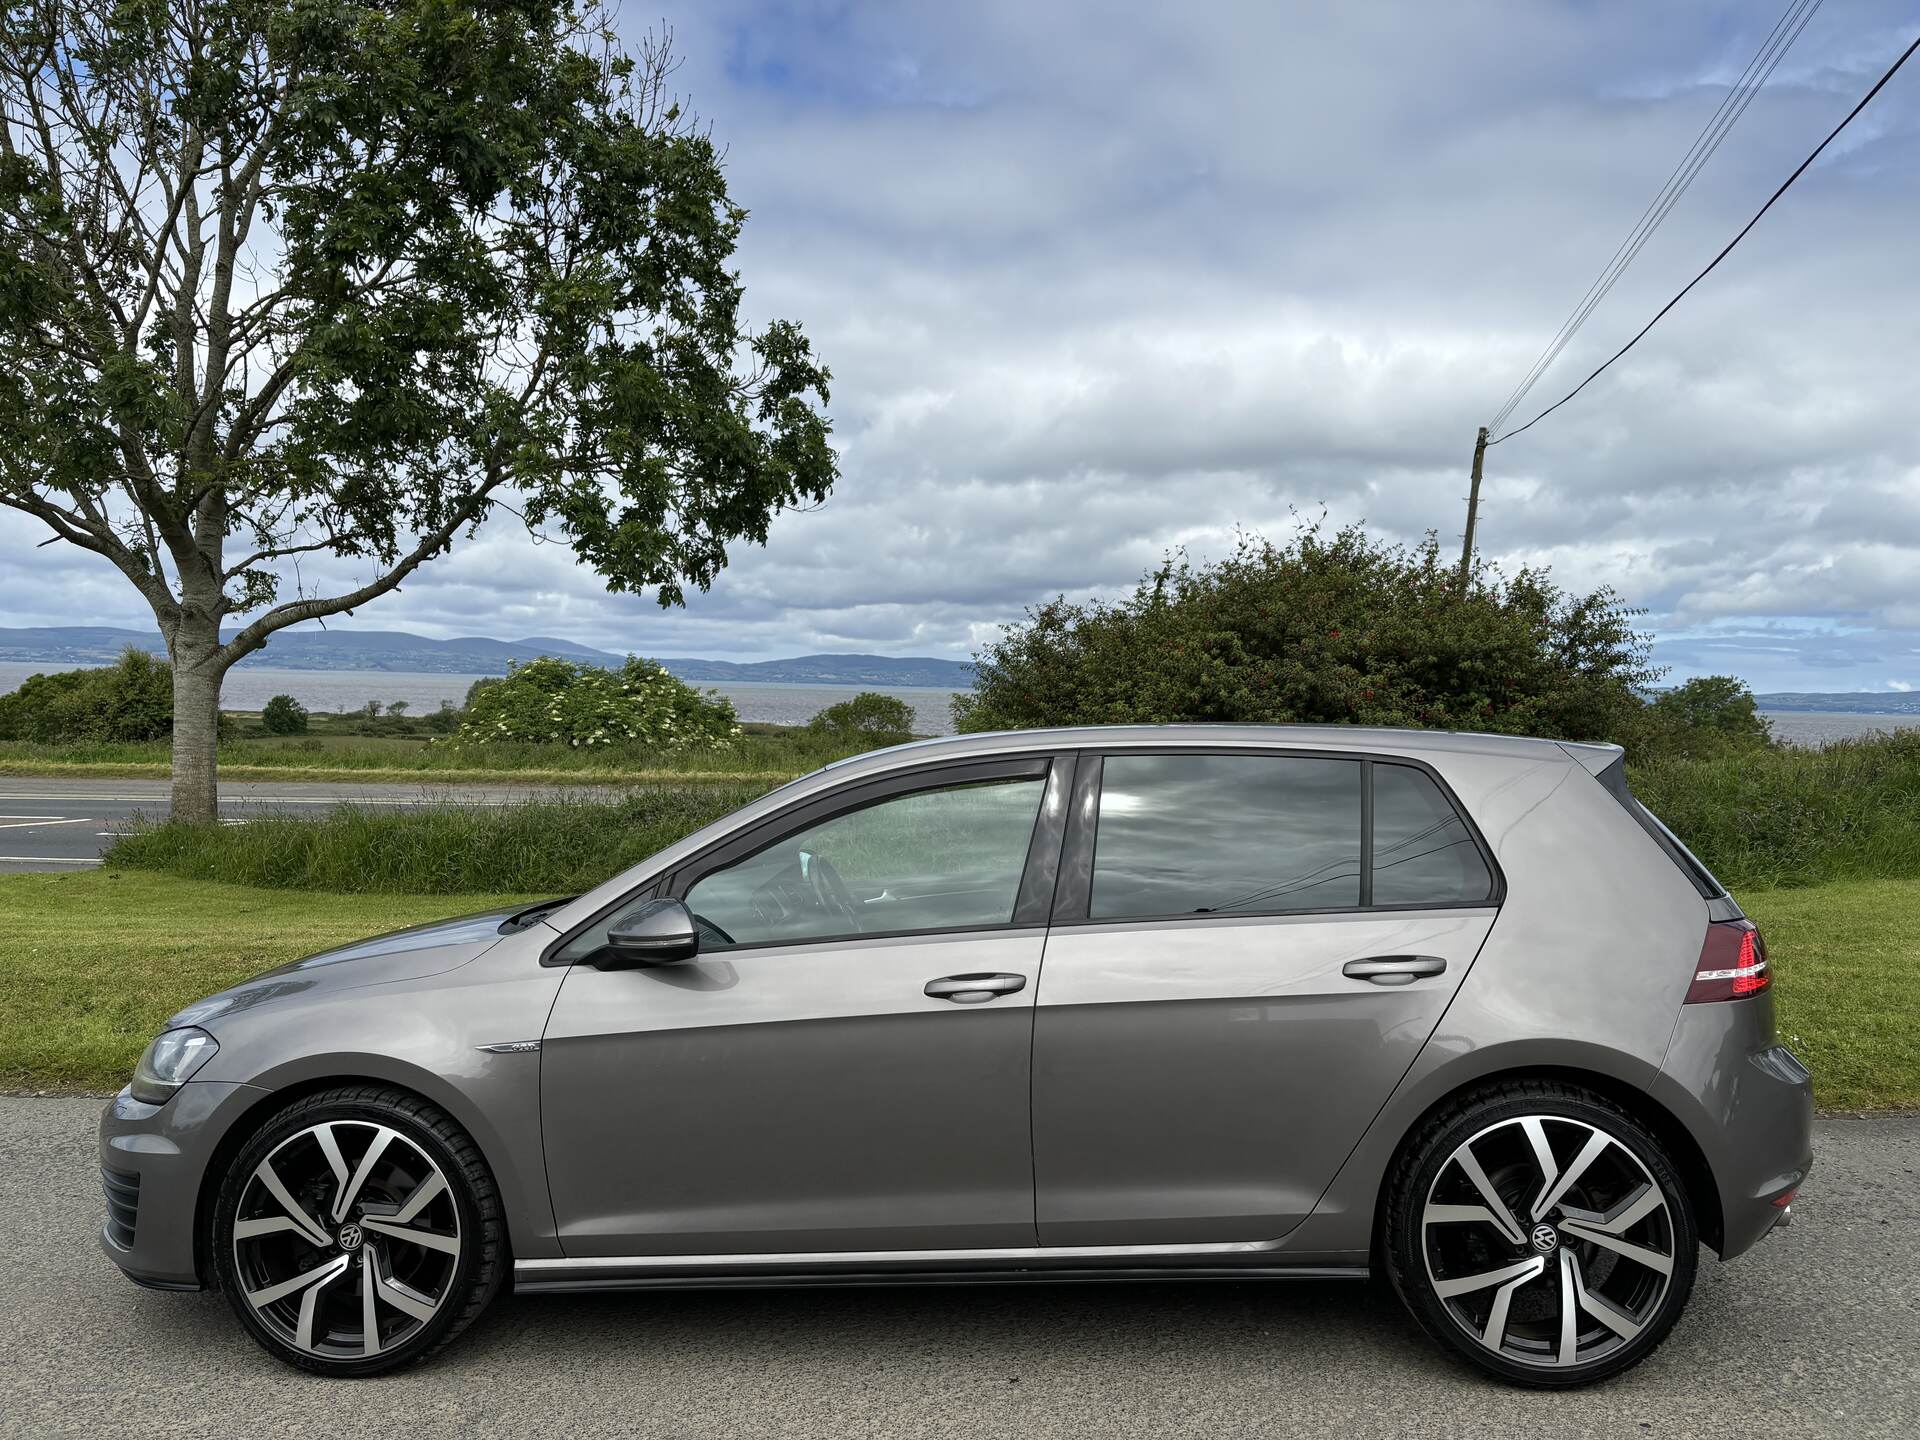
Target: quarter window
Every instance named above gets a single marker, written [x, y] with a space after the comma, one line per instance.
[930, 860]
[1218, 834]
[1422, 851]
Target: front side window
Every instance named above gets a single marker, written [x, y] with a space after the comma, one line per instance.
[1219, 834]
[929, 860]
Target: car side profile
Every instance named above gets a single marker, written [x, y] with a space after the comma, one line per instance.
[1140, 1002]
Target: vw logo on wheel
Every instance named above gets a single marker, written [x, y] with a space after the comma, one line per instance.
[350, 1237]
[1545, 1238]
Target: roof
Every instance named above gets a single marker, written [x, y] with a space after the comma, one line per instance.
[1306, 737]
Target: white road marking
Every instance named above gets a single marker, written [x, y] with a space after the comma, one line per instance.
[47, 820]
[43, 860]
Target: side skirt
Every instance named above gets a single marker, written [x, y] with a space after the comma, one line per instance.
[908, 1267]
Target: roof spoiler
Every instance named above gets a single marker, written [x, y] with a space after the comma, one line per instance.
[1593, 758]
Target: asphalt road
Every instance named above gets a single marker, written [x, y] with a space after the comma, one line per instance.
[1817, 1332]
[65, 824]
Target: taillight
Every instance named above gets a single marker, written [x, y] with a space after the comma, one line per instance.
[1733, 963]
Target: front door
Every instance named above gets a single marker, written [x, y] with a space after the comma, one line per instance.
[1249, 950]
[846, 1065]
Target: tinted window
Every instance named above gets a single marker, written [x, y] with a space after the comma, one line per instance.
[1422, 851]
[930, 860]
[1196, 834]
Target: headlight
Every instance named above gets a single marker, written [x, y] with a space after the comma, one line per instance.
[170, 1062]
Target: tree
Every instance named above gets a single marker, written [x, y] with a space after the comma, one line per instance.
[1707, 716]
[1336, 628]
[284, 715]
[397, 707]
[869, 717]
[333, 278]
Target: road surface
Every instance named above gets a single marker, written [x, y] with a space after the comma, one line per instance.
[65, 824]
[1814, 1333]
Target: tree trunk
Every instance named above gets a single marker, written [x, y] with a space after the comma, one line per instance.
[196, 722]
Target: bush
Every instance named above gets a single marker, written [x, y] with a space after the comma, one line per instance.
[869, 717]
[284, 715]
[1709, 716]
[553, 847]
[1326, 629]
[130, 700]
[551, 701]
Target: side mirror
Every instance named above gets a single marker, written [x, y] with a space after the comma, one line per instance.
[660, 932]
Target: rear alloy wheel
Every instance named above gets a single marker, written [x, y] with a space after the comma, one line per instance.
[358, 1231]
[1543, 1234]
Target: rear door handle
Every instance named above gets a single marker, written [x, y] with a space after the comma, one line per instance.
[973, 989]
[1394, 969]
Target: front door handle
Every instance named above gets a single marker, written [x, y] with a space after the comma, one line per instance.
[1394, 969]
[972, 989]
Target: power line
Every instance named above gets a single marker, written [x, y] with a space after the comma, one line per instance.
[1785, 185]
[1732, 106]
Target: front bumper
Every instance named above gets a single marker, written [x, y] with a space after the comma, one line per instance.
[1748, 1102]
[152, 1160]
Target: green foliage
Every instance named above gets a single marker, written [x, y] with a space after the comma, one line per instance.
[1709, 716]
[552, 847]
[284, 715]
[558, 702]
[1324, 628]
[869, 718]
[1786, 817]
[130, 700]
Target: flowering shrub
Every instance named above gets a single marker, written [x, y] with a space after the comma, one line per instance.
[550, 701]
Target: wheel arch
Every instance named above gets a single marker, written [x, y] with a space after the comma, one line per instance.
[247, 1123]
[1703, 1193]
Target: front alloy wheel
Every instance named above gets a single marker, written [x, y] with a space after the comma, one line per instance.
[356, 1234]
[1547, 1238]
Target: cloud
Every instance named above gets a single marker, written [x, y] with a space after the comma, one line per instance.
[1097, 281]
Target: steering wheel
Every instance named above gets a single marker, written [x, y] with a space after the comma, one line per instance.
[831, 891]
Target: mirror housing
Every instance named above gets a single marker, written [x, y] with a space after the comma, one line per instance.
[660, 932]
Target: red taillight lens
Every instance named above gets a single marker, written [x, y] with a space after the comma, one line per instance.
[1733, 963]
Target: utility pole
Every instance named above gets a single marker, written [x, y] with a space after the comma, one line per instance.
[1473, 508]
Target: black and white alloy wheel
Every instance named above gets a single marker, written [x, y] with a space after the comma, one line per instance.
[1551, 1242]
[357, 1231]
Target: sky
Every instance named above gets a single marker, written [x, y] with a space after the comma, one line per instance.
[1097, 281]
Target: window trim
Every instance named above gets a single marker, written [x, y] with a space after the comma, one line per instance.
[1033, 896]
[1072, 903]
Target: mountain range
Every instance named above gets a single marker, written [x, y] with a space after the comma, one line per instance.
[397, 650]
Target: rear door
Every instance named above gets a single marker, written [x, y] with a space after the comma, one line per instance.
[1248, 950]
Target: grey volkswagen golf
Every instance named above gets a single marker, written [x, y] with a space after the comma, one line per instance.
[1165, 1002]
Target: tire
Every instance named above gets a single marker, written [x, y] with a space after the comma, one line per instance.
[1616, 1242]
[421, 1229]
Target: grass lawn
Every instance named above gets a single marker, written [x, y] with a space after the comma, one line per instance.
[94, 962]
[1847, 986]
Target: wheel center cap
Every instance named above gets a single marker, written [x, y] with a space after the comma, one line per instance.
[1545, 1238]
[350, 1237]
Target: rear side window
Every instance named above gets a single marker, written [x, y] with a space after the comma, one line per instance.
[1215, 834]
[1423, 853]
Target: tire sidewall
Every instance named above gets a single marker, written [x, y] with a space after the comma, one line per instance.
[1406, 1255]
[302, 1115]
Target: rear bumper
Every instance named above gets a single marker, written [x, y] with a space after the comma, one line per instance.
[1748, 1103]
[152, 1158]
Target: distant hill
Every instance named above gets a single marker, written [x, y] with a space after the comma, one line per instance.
[1851, 702]
[70, 646]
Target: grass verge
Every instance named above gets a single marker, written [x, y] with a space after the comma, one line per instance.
[554, 847]
[95, 962]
